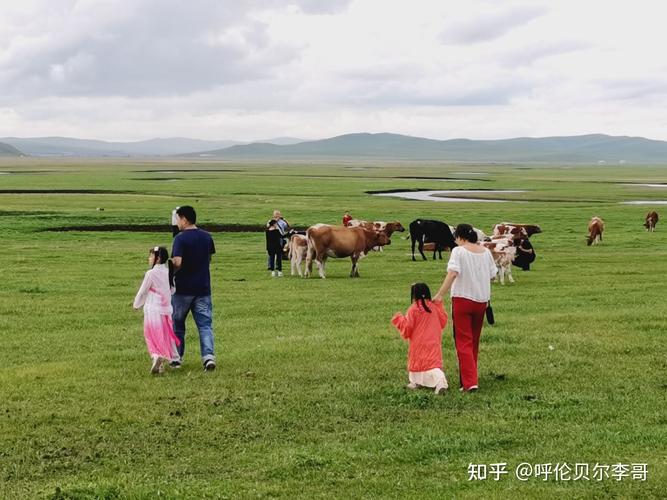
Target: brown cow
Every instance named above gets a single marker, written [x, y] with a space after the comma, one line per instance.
[388, 228]
[338, 241]
[516, 230]
[651, 221]
[595, 229]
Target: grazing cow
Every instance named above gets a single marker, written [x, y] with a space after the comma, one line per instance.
[297, 250]
[595, 229]
[503, 252]
[517, 231]
[339, 241]
[431, 231]
[651, 221]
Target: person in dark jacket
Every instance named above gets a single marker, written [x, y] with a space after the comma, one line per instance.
[274, 248]
[525, 254]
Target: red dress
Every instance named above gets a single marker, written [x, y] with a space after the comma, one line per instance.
[424, 332]
[346, 220]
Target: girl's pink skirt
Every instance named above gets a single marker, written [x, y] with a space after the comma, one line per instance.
[159, 335]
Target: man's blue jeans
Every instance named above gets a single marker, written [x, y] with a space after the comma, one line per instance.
[202, 312]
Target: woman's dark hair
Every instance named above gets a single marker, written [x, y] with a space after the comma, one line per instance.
[466, 232]
[420, 292]
[162, 257]
[188, 212]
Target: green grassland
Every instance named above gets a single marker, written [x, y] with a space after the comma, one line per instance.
[308, 400]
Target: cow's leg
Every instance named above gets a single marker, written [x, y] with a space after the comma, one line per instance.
[310, 253]
[321, 261]
[501, 274]
[509, 273]
[421, 248]
[413, 248]
[301, 264]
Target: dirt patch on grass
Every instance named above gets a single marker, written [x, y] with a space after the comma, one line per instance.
[18, 213]
[185, 171]
[64, 191]
[423, 178]
[160, 228]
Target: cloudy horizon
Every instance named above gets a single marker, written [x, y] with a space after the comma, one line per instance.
[221, 70]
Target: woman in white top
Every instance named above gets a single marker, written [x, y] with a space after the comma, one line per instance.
[469, 273]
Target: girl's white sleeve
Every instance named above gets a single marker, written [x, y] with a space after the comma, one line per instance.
[140, 299]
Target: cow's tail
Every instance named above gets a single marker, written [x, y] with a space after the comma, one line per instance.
[405, 237]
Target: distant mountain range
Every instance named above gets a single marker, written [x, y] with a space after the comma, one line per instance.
[66, 146]
[363, 146]
[583, 148]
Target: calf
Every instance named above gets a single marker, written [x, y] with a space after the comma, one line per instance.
[297, 250]
[503, 252]
[651, 221]
[595, 229]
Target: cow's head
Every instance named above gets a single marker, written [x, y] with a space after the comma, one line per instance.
[395, 226]
[383, 239]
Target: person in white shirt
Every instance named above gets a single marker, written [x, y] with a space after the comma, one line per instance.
[469, 273]
[174, 222]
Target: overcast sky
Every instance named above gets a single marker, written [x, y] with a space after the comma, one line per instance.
[253, 69]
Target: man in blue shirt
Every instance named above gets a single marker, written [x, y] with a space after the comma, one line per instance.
[191, 254]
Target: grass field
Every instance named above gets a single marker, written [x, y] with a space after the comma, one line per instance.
[308, 400]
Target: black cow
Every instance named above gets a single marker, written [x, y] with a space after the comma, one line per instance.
[431, 231]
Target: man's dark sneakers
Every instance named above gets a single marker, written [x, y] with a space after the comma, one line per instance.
[209, 365]
[175, 364]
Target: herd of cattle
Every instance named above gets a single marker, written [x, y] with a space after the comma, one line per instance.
[356, 240]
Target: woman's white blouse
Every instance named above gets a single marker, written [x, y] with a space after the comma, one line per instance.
[475, 273]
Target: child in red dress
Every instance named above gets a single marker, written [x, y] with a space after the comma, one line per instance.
[422, 326]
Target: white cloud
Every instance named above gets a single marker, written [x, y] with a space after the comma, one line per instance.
[218, 69]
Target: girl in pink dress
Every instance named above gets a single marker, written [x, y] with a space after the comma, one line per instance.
[422, 326]
[155, 297]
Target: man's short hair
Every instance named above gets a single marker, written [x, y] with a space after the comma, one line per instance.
[188, 212]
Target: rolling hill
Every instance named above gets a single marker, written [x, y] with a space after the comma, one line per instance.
[584, 148]
[66, 146]
[9, 150]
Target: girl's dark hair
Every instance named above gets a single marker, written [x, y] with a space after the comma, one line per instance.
[162, 257]
[466, 232]
[420, 292]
